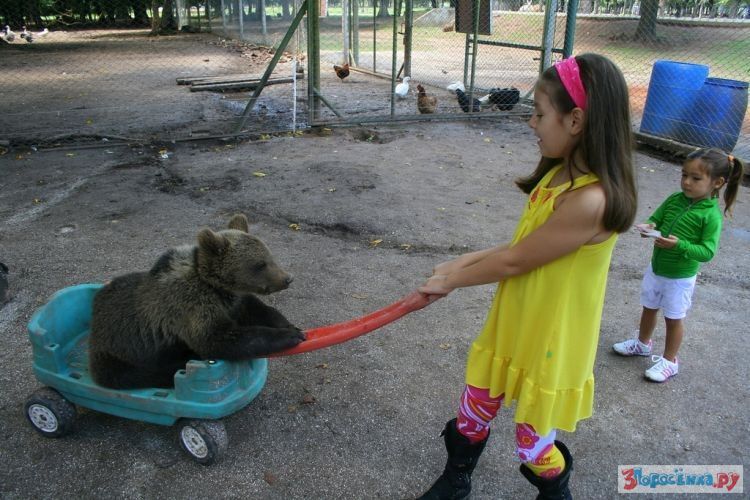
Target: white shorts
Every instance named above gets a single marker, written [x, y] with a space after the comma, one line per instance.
[672, 295]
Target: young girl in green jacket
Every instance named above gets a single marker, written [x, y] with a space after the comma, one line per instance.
[686, 229]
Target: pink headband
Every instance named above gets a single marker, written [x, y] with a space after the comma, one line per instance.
[570, 76]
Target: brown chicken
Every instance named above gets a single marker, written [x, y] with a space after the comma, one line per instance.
[341, 71]
[425, 103]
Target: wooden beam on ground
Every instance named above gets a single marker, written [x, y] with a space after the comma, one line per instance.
[240, 85]
[189, 80]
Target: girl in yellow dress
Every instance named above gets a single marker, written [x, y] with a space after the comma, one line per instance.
[538, 344]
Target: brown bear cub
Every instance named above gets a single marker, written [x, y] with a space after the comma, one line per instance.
[196, 302]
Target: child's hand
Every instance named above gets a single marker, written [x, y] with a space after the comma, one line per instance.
[669, 242]
[431, 297]
[647, 230]
[435, 286]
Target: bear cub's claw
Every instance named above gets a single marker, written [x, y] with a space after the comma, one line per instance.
[292, 337]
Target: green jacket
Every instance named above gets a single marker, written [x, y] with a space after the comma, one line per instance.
[696, 224]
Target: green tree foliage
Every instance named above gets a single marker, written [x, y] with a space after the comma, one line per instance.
[38, 13]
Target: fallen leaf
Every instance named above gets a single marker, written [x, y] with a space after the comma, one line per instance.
[264, 137]
[322, 365]
[445, 346]
[375, 243]
[259, 174]
[37, 201]
[294, 227]
[89, 121]
[331, 190]
[487, 139]
[267, 476]
[291, 408]
[308, 399]
[405, 246]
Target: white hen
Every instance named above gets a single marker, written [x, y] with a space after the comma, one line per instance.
[456, 86]
[402, 89]
[9, 35]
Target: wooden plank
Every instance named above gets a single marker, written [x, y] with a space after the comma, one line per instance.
[249, 84]
[189, 80]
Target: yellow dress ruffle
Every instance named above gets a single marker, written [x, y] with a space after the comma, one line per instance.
[538, 344]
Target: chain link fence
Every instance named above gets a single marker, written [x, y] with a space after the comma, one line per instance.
[180, 68]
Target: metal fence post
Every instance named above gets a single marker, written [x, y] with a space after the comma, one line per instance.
[408, 31]
[224, 17]
[548, 38]
[570, 28]
[241, 15]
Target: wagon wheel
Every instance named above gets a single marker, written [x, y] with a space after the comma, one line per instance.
[49, 413]
[204, 440]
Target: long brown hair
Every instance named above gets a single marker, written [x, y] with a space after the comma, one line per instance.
[606, 144]
[716, 163]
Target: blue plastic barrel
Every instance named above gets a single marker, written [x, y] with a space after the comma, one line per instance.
[717, 117]
[672, 93]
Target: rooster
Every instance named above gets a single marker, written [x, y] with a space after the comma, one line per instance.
[463, 98]
[425, 103]
[341, 71]
[504, 99]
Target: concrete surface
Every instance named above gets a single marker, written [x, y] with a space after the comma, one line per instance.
[358, 420]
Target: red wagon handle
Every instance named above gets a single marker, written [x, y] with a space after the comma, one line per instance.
[326, 336]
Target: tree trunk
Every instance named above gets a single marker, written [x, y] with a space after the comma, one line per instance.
[586, 7]
[140, 16]
[166, 22]
[646, 30]
[383, 9]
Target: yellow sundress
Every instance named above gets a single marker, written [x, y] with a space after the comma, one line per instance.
[538, 344]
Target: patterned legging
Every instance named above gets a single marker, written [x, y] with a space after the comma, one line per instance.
[476, 411]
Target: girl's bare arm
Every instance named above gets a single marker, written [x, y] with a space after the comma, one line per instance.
[465, 260]
[576, 221]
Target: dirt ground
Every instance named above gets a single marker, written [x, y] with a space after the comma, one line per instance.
[361, 419]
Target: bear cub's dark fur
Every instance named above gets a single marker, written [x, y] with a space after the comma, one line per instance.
[197, 302]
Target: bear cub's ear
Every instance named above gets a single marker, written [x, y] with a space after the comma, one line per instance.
[239, 222]
[211, 242]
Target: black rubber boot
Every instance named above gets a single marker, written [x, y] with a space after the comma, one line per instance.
[455, 481]
[552, 489]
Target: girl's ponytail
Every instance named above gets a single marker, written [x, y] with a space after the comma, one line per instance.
[719, 164]
[736, 170]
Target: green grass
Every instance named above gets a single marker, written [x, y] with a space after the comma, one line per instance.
[726, 54]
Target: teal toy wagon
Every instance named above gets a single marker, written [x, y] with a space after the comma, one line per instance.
[204, 391]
